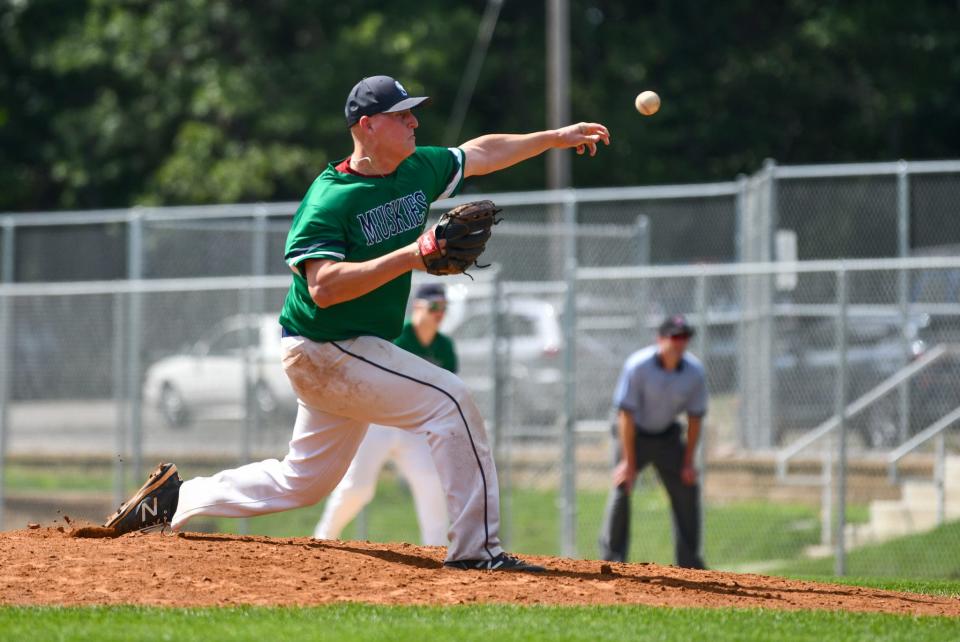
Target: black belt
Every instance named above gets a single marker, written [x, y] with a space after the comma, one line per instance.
[284, 332]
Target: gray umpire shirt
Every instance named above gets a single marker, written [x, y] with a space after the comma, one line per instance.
[654, 395]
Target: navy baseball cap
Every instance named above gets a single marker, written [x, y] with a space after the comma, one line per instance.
[675, 326]
[431, 292]
[378, 95]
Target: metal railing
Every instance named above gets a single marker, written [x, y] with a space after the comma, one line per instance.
[854, 408]
[934, 431]
[836, 424]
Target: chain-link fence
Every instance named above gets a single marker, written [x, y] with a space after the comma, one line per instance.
[623, 226]
[162, 343]
[856, 382]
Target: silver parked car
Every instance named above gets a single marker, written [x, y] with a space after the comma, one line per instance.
[207, 379]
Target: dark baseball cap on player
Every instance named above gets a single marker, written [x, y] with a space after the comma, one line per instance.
[378, 95]
[675, 326]
[431, 292]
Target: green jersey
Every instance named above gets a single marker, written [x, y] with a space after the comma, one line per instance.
[348, 217]
[440, 352]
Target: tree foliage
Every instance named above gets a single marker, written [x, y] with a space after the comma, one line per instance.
[109, 103]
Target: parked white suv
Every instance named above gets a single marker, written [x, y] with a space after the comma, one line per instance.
[207, 380]
[535, 365]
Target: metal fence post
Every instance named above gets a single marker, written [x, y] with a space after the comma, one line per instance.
[568, 537]
[258, 267]
[496, 364]
[939, 474]
[757, 215]
[840, 559]
[700, 456]
[120, 398]
[509, 398]
[6, 360]
[251, 414]
[134, 336]
[501, 451]
[826, 493]
[767, 352]
[903, 288]
[740, 214]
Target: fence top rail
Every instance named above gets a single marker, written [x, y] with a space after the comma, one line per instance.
[124, 215]
[600, 194]
[866, 169]
[543, 197]
[607, 273]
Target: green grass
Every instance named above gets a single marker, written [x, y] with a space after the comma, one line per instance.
[931, 555]
[484, 623]
[736, 533]
[944, 588]
[68, 477]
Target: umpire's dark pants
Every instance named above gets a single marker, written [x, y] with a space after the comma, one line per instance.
[665, 451]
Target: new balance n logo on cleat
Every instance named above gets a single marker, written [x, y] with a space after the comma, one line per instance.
[152, 507]
[501, 562]
[145, 508]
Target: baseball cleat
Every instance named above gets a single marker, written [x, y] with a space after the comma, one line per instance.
[501, 562]
[152, 506]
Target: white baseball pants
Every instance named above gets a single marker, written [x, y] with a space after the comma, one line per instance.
[342, 387]
[411, 455]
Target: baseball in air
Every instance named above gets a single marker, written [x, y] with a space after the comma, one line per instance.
[647, 103]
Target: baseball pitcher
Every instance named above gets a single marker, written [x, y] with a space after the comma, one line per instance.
[356, 237]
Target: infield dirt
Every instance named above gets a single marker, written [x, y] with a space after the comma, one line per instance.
[77, 565]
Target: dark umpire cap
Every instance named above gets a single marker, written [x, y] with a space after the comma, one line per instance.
[378, 95]
[675, 326]
[431, 292]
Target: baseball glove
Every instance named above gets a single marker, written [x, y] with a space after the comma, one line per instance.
[466, 229]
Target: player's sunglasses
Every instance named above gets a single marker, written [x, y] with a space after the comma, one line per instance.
[437, 306]
[680, 338]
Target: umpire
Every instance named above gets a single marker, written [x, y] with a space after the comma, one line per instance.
[657, 384]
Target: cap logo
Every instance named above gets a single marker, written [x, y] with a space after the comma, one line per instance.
[400, 88]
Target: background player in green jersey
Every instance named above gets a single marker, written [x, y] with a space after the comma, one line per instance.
[352, 247]
[408, 451]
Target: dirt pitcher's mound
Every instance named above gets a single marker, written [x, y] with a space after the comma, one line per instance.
[53, 566]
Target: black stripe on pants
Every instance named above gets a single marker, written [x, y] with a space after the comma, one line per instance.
[483, 477]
